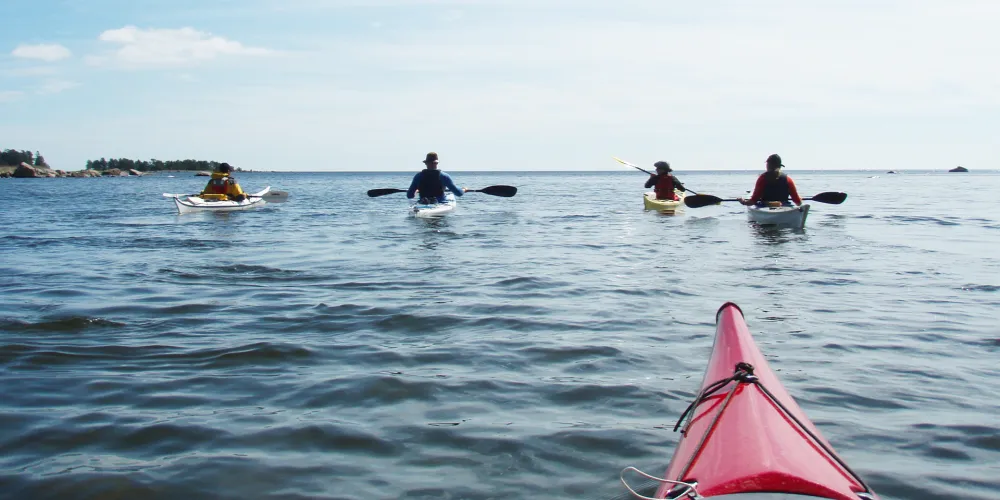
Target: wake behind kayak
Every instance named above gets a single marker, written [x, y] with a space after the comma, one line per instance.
[745, 438]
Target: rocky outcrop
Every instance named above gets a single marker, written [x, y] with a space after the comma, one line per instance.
[113, 172]
[25, 171]
[133, 171]
[203, 174]
[85, 173]
[959, 169]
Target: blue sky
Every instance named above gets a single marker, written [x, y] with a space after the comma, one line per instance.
[504, 84]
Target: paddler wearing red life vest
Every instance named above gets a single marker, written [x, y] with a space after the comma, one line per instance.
[773, 185]
[665, 182]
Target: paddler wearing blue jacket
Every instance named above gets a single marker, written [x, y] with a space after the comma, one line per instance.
[431, 182]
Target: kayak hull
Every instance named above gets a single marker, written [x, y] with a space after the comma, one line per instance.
[421, 210]
[789, 216]
[192, 204]
[650, 202]
[753, 437]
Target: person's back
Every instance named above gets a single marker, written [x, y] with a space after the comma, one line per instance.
[775, 188]
[217, 184]
[430, 186]
[432, 182]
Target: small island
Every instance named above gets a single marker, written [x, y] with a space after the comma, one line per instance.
[27, 164]
[959, 169]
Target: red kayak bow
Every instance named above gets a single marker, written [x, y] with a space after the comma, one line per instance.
[745, 434]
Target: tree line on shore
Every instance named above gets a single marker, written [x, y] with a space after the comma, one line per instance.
[152, 165]
[13, 158]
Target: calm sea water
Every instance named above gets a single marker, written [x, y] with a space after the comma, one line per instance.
[531, 347]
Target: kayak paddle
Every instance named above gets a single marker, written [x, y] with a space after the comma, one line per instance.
[703, 200]
[504, 191]
[382, 192]
[623, 162]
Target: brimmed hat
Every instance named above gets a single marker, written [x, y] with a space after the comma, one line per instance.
[774, 160]
[662, 165]
[431, 157]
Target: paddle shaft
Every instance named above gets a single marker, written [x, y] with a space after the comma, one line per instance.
[623, 162]
[502, 191]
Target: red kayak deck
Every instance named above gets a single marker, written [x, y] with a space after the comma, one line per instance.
[740, 440]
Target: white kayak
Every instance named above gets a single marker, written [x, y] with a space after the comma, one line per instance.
[434, 209]
[198, 204]
[785, 215]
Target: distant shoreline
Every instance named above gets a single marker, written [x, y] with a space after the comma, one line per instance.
[10, 169]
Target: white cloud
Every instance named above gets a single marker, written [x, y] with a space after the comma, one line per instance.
[56, 86]
[45, 52]
[152, 48]
[34, 71]
[10, 95]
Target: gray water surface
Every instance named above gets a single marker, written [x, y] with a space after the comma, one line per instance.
[530, 347]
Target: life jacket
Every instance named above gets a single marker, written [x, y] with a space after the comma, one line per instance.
[430, 184]
[217, 185]
[776, 189]
[233, 189]
[665, 187]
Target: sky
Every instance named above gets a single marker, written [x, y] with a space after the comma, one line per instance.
[373, 85]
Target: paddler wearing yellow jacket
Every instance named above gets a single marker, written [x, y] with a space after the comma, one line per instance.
[223, 185]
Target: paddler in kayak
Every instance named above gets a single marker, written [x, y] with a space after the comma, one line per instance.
[223, 185]
[773, 186]
[665, 182]
[431, 183]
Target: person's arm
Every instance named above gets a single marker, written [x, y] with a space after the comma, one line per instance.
[450, 184]
[677, 184]
[234, 188]
[758, 191]
[413, 186]
[794, 192]
[651, 182]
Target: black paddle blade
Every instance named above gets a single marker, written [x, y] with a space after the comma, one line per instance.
[382, 192]
[830, 197]
[702, 200]
[504, 191]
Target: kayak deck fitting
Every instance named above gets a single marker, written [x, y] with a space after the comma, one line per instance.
[745, 438]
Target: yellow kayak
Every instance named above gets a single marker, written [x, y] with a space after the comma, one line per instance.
[651, 203]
